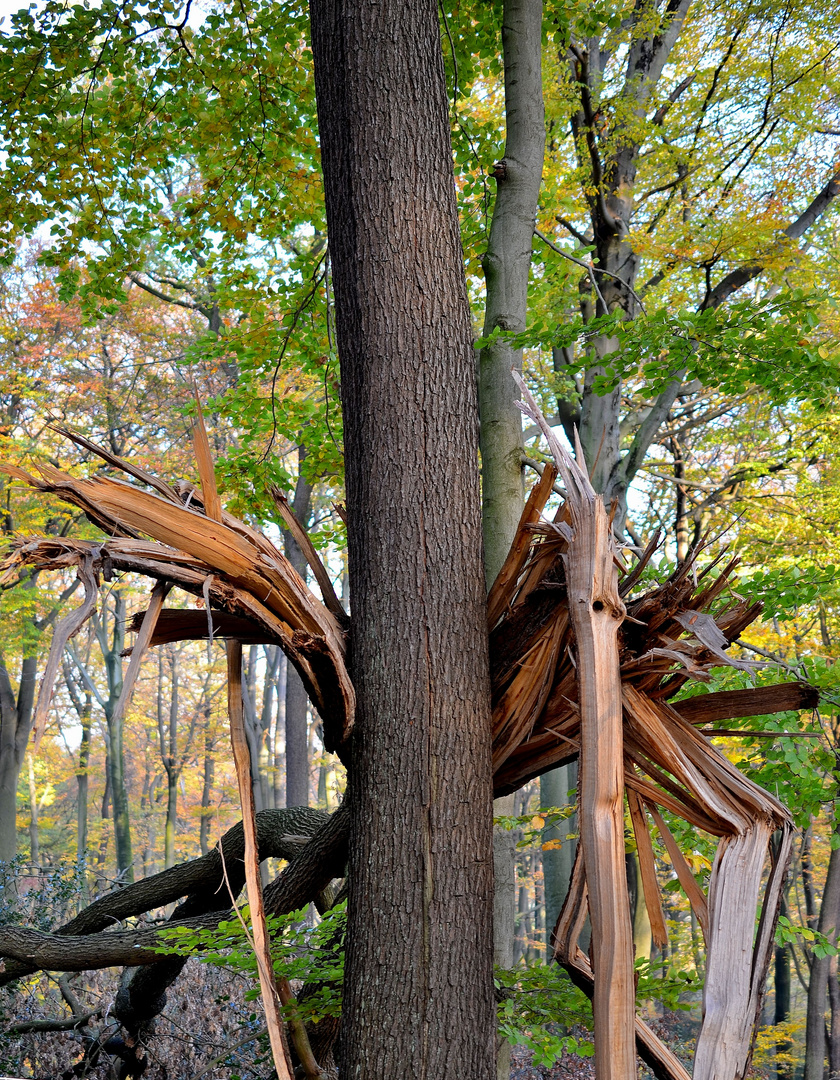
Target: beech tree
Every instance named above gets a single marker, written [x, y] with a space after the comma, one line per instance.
[404, 339]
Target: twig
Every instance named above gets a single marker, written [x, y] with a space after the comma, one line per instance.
[593, 269]
[211, 1065]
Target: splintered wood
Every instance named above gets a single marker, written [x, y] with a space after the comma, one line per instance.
[582, 665]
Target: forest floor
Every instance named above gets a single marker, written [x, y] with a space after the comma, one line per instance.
[678, 1030]
[210, 1030]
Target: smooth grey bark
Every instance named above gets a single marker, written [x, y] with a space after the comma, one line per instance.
[834, 1024]
[207, 811]
[253, 733]
[611, 206]
[267, 719]
[828, 923]
[34, 844]
[609, 165]
[418, 987]
[112, 644]
[82, 700]
[297, 702]
[504, 909]
[507, 268]
[278, 745]
[15, 725]
[175, 751]
[555, 788]
[504, 896]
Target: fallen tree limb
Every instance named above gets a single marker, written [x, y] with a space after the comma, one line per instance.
[201, 880]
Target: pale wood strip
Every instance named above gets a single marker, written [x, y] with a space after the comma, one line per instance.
[688, 881]
[206, 469]
[261, 943]
[647, 866]
[596, 611]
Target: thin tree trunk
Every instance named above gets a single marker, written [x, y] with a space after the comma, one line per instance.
[279, 728]
[112, 646]
[169, 749]
[266, 764]
[808, 876]
[782, 987]
[15, 724]
[834, 1026]
[507, 266]
[681, 537]
[421, 794]
[207, 788]
[34, 846]
[782, 995]
[297, 702]
[555, 788]
[83, 782]
[829, 920]
[323, 797]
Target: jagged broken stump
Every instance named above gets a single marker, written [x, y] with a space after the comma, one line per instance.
[582, 666]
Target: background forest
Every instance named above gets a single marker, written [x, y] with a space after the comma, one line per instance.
[164, 241]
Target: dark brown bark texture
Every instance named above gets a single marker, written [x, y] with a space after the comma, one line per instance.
[419, 995]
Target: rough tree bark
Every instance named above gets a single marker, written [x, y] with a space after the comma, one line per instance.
[420, 794]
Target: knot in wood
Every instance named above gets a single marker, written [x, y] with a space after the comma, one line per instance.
[499, 170]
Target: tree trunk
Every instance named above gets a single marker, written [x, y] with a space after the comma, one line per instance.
[34, 846]
[782, 995]
[829, 920]
[297, 702]
[15, 725]
[209, 776]
[555, 787]
[111, 649]
[420, 796]
[169, 753]
[82, 782]
[278, 744]
[507, 267]
[266, 763]
[834, 1026]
